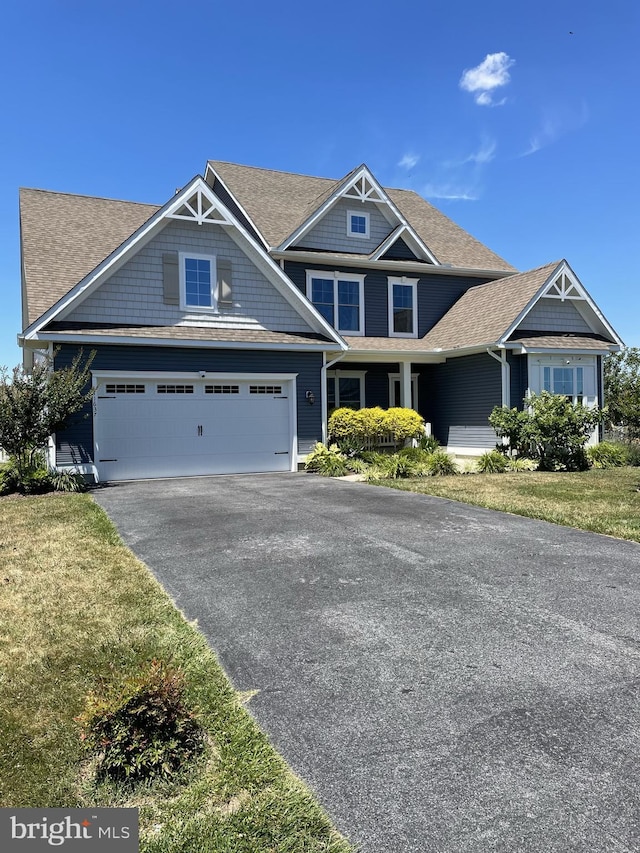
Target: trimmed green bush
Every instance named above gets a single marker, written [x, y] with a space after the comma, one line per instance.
[327, 461]
[606, 455]
[492, 462]
[368, 426]
[142, 729]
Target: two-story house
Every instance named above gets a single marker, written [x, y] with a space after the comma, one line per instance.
[227, 323]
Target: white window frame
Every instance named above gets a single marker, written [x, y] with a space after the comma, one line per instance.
[406, 282]
[363, 214]
[340, 276]
[589, 377]
[207, 309]
[397, 377]
[347, 374]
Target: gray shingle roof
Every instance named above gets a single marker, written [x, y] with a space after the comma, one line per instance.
[532, 340]
[192, 333]
[66, 236]
[279, 202]
[483, 314]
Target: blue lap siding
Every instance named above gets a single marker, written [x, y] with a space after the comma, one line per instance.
[463, 392]
[436, 293]
[74, 445]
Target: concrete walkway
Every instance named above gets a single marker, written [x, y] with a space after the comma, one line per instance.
[447, 679]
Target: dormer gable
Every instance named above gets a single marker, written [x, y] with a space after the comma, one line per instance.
[355, 215]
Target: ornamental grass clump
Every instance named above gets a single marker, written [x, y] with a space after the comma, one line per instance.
[141, 729]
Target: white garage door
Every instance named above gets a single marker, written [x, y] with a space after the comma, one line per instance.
[176, 427]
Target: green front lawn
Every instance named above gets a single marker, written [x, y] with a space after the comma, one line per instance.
[604, 501]
[76, 607]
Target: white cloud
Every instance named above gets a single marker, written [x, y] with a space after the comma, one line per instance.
[449, 191]
[552, 127]
[484, 154]
[409, 161]
[492, 73]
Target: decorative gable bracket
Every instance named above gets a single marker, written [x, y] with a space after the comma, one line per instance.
[201, 208]
[563, 287]
[363, 189]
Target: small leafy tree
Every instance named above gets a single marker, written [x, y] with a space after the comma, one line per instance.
[551, 429]
[622, 390]
[35, 405]
[558, 431]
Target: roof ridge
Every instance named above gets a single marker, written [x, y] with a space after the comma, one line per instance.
[275, 171]
[85, 195]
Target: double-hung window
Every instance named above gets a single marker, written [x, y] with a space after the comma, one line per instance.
[403, 307]
[197, 282]
[339, 297]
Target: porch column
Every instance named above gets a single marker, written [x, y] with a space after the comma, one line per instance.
[405, 384]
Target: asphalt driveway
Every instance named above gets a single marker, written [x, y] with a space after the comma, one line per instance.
[447, 679]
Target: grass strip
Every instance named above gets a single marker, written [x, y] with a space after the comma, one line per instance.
[77, 607]
[603, 501]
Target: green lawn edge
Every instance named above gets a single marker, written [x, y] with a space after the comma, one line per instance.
[76, 606]
[605, 501]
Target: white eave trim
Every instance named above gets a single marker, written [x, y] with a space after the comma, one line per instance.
[563, 267]
[401, 232]
[521, 349]
[237, 231]
[337, 260]
[130, 340]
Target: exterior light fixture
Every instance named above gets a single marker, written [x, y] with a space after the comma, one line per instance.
[310, 397]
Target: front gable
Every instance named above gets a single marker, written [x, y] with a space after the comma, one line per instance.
[562, 305]
[248, 289]
[138, 293]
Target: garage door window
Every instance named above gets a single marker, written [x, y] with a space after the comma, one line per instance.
[122, 388]
[265, 389]
[221, 389]
[175, 389]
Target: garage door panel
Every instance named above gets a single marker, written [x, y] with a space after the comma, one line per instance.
[152, 434]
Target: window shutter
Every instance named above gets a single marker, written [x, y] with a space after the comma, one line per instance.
[225, 297]
[170, 278]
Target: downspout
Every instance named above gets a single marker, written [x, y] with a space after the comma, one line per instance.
[323, 379]
[505, 368]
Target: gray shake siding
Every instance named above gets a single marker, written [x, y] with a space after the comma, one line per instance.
[134, 294]
[463, 393]
[330, 233]
[436, 294]
[75, 444]
[553, 315]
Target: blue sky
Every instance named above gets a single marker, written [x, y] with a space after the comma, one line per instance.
[520, 121]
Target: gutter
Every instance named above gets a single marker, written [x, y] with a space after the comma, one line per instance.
[505, 371]
[332, 261]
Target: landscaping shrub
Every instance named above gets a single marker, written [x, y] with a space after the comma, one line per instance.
[429, 443]
[367, 426]
[632, 451]
[327, 461]
[551, 429]
[440, 464]
[607, 455]
[492, 462]
[521, 463]
[142, 729]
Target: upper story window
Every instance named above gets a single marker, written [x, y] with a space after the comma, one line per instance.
[198, 281]
[357, 224]
[339, 297]
[403, 307]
